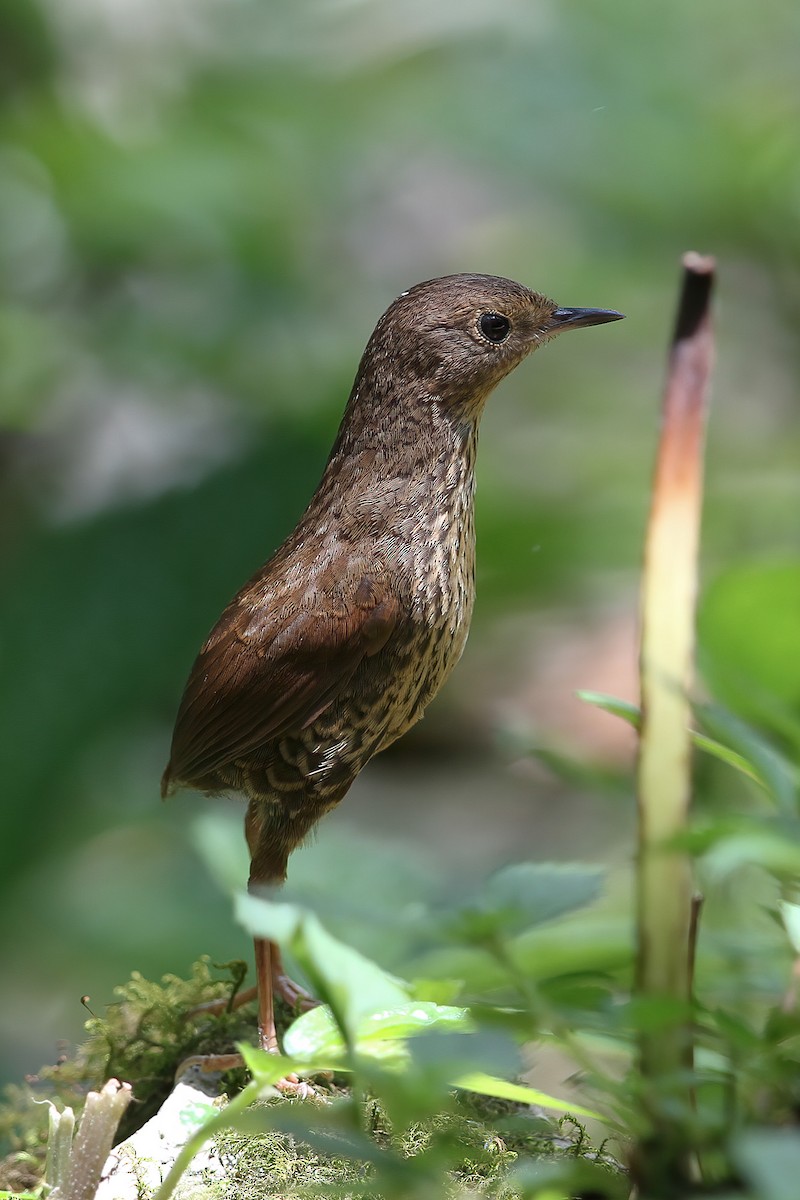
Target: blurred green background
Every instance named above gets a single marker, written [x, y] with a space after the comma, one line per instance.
[204, 207]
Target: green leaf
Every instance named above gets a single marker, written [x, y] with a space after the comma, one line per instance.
[741, 1035]
[771, 769]
[633, 715]
[582, 944]
[770, 1160]
[315, 1043]
[446, 1054]
[439, 991]
[790, 915]
[568, 1175]
[315, 1035]
[524, 895]
[750, 637]
[488, 1085]
[267, 1068]
[760, 847]
[610, 704]
[348, 982]
[321, 1038]
[532, 893]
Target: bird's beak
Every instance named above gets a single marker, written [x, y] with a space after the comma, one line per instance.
[576, 318]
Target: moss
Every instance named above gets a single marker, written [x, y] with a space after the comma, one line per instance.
[142, 1038]
[146, 1033]
[274, 1164]
[469, 1150]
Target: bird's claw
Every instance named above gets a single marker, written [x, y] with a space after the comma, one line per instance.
[205, 1070]
[292, 993]
[298, 1089]
[223, 1004]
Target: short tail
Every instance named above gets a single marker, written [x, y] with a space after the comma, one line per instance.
[167, 784]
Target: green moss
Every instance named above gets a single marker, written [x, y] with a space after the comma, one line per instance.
[470, 1149]
[142, 1038]
[147, 1032]
[274, 1164]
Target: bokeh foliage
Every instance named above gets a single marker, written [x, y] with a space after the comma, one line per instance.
[203, 208]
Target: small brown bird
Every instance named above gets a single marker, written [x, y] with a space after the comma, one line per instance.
[338, 644]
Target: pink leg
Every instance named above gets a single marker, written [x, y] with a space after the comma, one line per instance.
[292, 993]
[267, 1034]
[267, 865]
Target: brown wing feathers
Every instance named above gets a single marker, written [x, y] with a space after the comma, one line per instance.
[262, 675]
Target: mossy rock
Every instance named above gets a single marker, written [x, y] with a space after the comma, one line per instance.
[472, 1147]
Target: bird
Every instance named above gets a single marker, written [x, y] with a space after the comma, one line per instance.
[336, 646]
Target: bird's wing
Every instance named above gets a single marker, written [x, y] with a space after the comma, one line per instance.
[269, 670]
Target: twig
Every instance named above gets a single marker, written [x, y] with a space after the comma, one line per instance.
[694, 929]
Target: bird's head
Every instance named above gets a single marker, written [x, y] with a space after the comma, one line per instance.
[458, 336]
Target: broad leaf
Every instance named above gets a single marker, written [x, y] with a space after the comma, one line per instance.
[315, 1035]
[522, 896]
[584, 944]
[759, 846]
[346, 980]
[750, 637]
[770, 1160]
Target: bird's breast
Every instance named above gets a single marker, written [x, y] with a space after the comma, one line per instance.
[415, 533]
[437, 565]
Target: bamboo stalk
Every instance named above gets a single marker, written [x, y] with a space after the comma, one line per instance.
[664, 880]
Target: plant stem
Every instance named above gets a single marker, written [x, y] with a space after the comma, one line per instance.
[99, 1120]
[664, 882]
[59, 1147]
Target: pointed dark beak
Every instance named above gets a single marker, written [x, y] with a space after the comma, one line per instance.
[576, 318]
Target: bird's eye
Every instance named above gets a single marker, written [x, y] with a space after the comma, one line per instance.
[494, 326]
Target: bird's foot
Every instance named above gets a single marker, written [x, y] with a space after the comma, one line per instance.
[204, 1070]
[300, 1089]
[215, 1008]
[297, 998]
[202, 1065]
[290, 992]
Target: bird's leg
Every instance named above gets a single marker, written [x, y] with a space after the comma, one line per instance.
[297, 998]
[268, 961]
[268, 859]
[270, 840]
[267, 1034]
[267, 867]
[268, 966]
